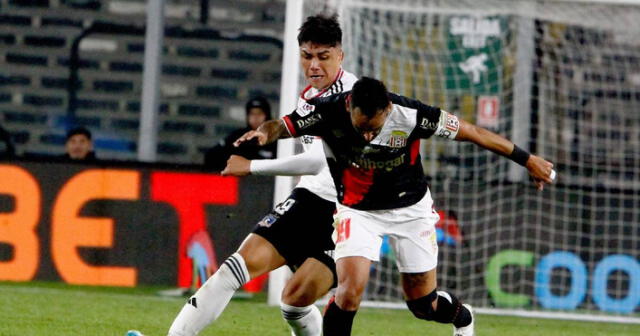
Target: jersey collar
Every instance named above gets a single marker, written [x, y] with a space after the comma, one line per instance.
[320, 93]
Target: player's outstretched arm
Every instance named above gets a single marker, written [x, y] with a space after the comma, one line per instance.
[539, 168]
[266, 133]
[309, 162]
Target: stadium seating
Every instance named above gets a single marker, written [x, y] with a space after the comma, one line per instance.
[208, 72]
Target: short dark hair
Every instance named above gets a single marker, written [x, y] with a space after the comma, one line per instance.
[78, 130]
[370, 95]
[321, 29]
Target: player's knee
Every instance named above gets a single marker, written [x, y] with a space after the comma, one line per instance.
[422, 308]
[299, 294]
[259, 255]
[348, 298]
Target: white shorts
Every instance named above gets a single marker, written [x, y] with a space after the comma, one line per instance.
[411, 231]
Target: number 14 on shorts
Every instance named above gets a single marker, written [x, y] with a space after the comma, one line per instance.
[343, 230]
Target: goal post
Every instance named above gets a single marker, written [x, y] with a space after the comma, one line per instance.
[560, 78]
[288, 101]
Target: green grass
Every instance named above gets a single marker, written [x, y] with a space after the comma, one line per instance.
[57, 309]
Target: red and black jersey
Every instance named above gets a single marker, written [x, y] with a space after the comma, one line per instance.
[385, 173]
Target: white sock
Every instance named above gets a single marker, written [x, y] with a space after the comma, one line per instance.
[304, 321]
[212, 298]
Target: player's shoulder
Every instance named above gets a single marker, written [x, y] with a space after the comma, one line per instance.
[322, 105]
[348, 79]
[400, 100]
[344, 82]
[329, 100]
[411, 103]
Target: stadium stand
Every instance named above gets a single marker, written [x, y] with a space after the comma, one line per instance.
[209, 70]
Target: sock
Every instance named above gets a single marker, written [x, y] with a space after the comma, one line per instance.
[451, 310]
[212, 298]
[337, 322]
[304, 321]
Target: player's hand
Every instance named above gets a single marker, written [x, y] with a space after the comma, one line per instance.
[237, 166]
[541, 170]
[259, 136]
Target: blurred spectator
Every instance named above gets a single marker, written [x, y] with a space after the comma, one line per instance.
[7, 150]
[79, 145]
[258, 111]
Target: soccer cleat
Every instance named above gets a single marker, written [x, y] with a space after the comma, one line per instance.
[134, 333]
[468, 330]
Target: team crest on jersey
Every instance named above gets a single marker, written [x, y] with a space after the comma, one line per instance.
[267, 221]
[305, 109]
[398, 139]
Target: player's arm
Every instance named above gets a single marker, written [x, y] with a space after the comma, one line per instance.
[299, 122]
[309, 162]
[539, 168]
[266, 133]
[434, 121]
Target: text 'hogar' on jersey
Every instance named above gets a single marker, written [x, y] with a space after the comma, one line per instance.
[385, 173]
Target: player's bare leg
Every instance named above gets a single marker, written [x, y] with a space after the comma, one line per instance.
[353, 274]
[428, 304]
[309, 283]
[259, 255]
[255, 257]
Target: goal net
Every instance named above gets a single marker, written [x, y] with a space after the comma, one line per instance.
[559, 78]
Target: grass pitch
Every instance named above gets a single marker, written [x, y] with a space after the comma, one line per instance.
[54, 309]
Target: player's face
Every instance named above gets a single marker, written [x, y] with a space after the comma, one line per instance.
[368, 128]
[256, 117]
[78, 146]
[320, 63]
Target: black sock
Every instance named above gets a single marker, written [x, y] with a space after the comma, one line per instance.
[337, 322]
[452, 311]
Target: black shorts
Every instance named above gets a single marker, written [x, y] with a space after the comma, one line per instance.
[301, 228]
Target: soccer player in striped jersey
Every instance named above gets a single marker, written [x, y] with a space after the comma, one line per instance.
[372, 142]
[298, 231]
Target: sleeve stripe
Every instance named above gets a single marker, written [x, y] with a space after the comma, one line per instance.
[289, 125]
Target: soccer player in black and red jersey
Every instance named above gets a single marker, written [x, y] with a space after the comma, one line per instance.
[307, 212]
[372, 142]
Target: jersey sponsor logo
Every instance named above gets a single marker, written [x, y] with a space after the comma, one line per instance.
[367, 149]
[388, 165]
[428, 124]
[398, 139]
[308, 121]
